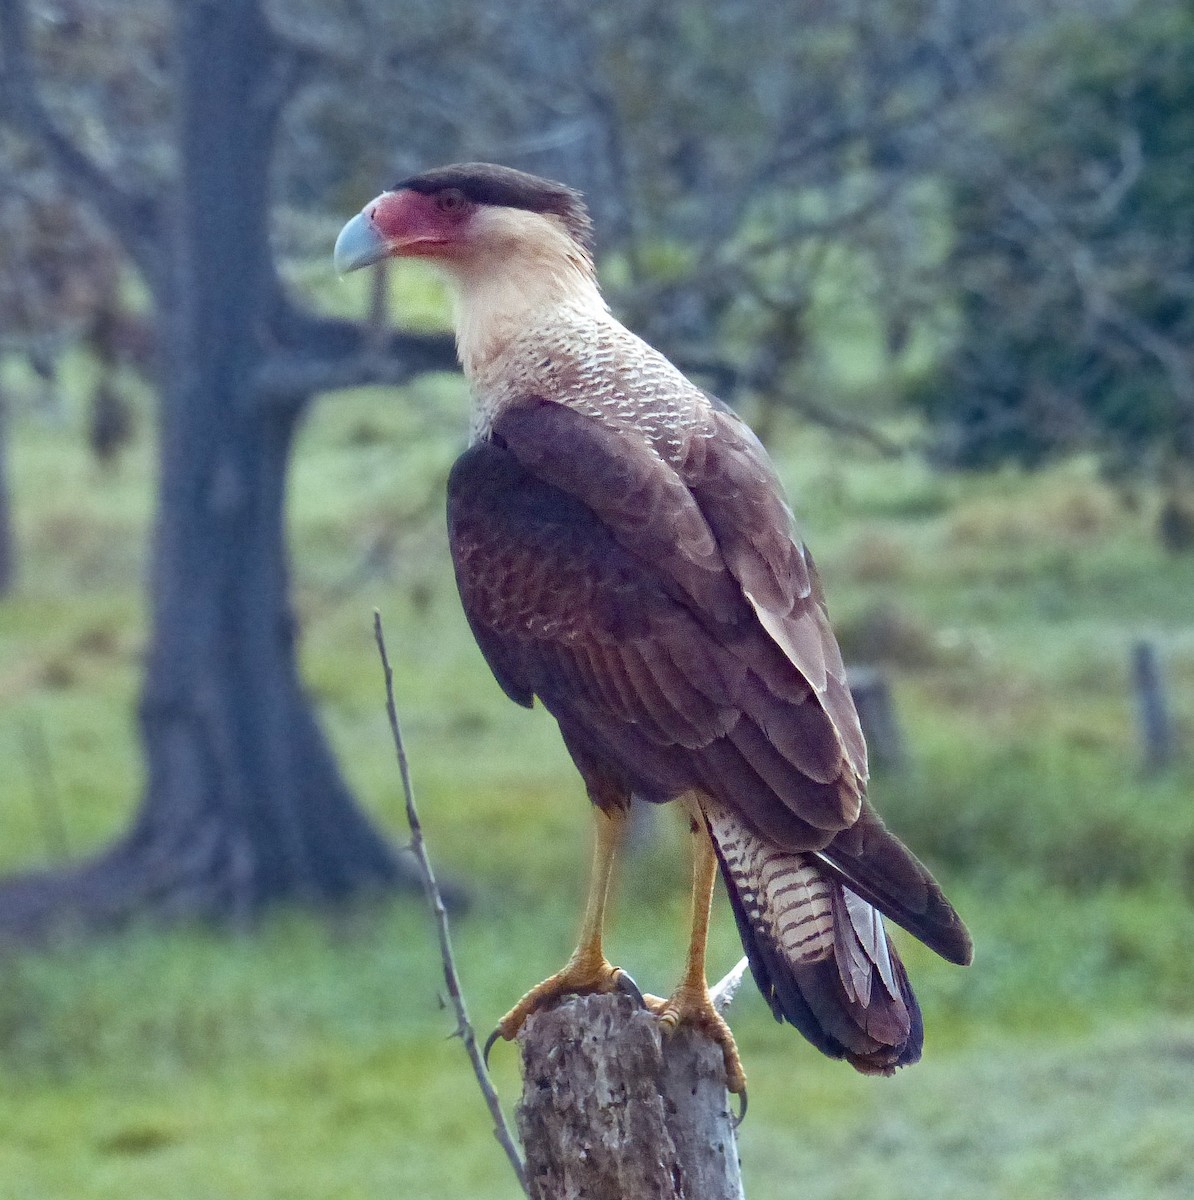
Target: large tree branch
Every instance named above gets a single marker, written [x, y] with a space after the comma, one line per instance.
[133, 218]
[325, 354]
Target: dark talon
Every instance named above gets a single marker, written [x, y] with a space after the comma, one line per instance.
[493, 1037]
[736, 1121]
[624, 984]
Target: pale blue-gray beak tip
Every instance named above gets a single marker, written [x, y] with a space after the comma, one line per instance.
[359, 245]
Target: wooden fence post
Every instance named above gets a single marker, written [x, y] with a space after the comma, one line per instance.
[876, 713]
[611, 1110]
[1152, 708]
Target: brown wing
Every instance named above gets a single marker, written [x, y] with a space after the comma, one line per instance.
[640, 644]
[732, 480]
[658, 615]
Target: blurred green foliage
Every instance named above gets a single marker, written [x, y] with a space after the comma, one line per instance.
[1072, 253]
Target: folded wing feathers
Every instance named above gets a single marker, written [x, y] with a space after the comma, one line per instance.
[799, 639]
[616, 474]
[717, 529]
[736, 490]
[875, 864]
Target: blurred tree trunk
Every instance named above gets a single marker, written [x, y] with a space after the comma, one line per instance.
[244, 802]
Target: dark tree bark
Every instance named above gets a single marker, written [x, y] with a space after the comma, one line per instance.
[237, 763]
[244, 803]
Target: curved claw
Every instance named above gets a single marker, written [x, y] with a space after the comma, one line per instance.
[493, 1037]
[736, 1121]
[625, 984]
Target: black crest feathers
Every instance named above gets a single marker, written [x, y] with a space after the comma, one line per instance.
[487, 183]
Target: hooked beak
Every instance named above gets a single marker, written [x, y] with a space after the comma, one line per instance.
[360, 244]
[398, 224]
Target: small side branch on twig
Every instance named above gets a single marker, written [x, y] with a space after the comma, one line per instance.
[726, 988]
[435, 901]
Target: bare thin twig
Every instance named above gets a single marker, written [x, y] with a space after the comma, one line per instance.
[725, 989]
[435, 901]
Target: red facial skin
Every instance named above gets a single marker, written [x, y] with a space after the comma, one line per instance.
[415, 225]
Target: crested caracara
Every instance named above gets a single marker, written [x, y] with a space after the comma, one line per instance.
[625, 554]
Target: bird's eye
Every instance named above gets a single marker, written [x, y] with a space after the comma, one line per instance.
[451, 200]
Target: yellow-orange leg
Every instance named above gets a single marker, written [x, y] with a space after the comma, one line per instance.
[587, 970]
[691, 1003]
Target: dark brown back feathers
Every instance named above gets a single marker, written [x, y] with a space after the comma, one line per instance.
[488, 183]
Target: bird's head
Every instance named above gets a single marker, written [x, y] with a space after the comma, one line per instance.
[469, 218]
[512, 245]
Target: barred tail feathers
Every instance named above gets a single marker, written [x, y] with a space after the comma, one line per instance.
[818, 952]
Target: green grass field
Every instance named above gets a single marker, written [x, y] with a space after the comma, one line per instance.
[311, 1059]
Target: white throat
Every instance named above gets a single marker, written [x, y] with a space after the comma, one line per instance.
[524, 268]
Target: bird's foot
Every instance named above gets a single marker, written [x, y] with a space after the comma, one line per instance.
[692, 1005]
[583, 974]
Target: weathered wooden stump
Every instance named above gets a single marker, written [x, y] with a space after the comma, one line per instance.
[611, 1110]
